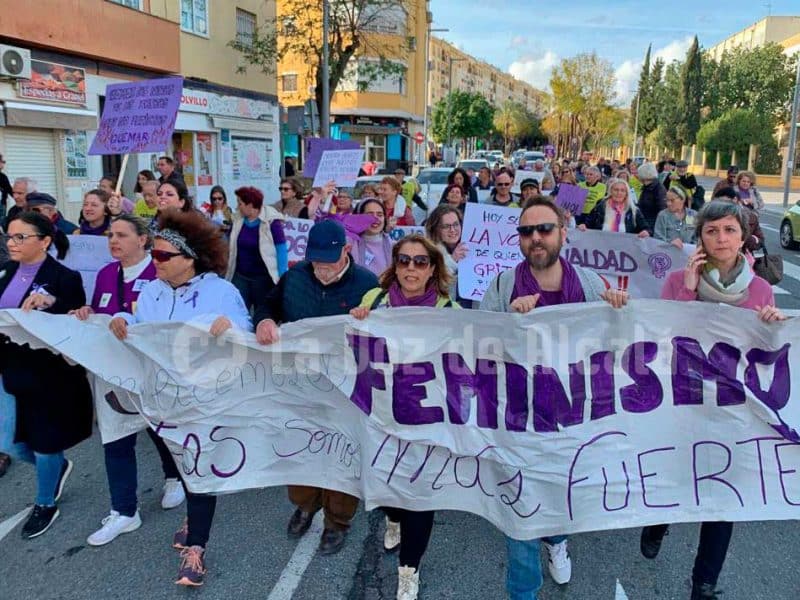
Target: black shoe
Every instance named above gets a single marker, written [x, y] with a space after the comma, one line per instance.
[299, 523]
[40, 520]
[66, 469]
[332, 541]
[650, 542]
[704, 591]
[5, 462]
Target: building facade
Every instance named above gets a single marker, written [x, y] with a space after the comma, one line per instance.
[383, 114]
[769, 29]
[227, 128]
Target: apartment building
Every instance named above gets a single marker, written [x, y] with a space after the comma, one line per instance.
[769, 29]
[227, 129]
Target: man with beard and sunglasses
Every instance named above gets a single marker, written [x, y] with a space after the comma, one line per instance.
[544, 278]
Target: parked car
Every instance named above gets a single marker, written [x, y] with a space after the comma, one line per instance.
[496, 156]
[432, 182]
[790, 228]
[474, 164]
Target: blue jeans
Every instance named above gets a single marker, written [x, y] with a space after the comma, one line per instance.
[524, 571]
[48, 466]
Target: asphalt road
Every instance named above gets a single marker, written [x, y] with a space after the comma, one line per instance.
[250, 557]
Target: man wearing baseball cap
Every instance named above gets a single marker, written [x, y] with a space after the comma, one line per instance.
[681, 177]
[529, 188]
[46, 205]
[728, 182]
[326, 283]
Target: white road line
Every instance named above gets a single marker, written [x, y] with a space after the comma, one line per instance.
[297, 565]
[8, 525]
[791, 269]
[768, 228]
[620, 594]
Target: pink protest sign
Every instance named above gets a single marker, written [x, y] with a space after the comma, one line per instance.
[138, 116]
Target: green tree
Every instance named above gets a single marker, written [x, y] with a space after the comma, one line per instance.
[735, 130]
[691, 94]
[513, 121]
[461, 115]
[669, 109]
[644, 98]
[358, 28]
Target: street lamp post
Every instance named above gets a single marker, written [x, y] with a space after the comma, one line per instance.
[790, 151]
[325, 109]
[450, 102]
[427, 83]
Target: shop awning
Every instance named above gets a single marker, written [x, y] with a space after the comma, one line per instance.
[247, 125]
[21, 114]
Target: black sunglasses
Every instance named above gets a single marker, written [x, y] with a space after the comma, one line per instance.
[163, 255]
[541, 229]
[420, 260]
[502, 184]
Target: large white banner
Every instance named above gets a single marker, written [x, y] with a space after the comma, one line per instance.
[571, 418]
[624, 261]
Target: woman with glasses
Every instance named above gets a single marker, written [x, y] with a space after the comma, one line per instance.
[116, 290]
[291, 202]
[95, 215]
[218, 210]
[417, 276]
[257, 251]
[189, 254]
[443, 228]
[45, 404]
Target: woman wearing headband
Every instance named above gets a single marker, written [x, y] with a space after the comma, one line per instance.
[189, 254]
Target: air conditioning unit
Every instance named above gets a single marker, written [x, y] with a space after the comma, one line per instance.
[15, 62]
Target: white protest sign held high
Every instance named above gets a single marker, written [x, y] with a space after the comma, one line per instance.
[623, 260]
[341, 166]
[87, 254]
[572, 418]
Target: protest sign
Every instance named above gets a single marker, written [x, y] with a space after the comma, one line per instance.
[296, 232]
[484, 196]
[87, 254]
[571, 418]
[572, 198]
[138, 116]
[623, 260]
[340, 166]
[316, 146]
[520, 176]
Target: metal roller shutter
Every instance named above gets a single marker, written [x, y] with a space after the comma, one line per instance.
[32, 153]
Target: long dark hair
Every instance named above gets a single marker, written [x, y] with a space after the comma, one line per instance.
[46, 228]
[183, 193]
[149, 175]
[451, 179]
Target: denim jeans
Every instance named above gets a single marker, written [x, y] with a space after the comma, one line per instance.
[524, 571]
[254, 291]
[48, 466]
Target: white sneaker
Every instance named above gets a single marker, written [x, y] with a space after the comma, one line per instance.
[391, 539]
[559, 563]
[173, 494]
[407, 583]
[113, 525]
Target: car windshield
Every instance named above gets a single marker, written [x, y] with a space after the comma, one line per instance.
[432, 177]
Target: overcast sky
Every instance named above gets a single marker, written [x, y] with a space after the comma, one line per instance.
[526, 40]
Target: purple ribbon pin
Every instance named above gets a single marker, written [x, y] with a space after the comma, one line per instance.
[192, 299]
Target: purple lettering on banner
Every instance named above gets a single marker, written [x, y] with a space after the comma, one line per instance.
[712, 476]
[463, 384]
[516, 397]
[316, 146]
[551, 407]
[408, 391]
[572, 482]
[758, 441]
[691, 367]
[606, 507]
[367, 377]
[240, 466]
[777, 395]
[646, 393]
[643, 476]
[781, 470]
[601, 378]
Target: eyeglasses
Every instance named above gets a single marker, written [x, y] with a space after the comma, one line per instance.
[541, 229]
[19, 238]
[164, 255]
[502, 184]
[452, 226]
[420, 260]
[285, 189]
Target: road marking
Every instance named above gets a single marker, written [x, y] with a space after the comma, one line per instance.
[791, 269]
[768, 228]
[620, 594]
[8, 525]
[293, 571]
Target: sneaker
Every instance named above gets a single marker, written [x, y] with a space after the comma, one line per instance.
[114, 525]
[407, 583]
[179, 539]
[391, 538]
[704, 591]
[559, 563]
[173, 494]
[40, 520]
[193, 568]
[66, 469]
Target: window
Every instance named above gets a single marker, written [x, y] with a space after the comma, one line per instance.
[134, 4]
[289, 82]
[245, 27]
[194, 16]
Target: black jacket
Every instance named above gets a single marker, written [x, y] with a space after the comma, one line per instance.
[5, 188]
[652, 201]
[634, 219]
[54, 400]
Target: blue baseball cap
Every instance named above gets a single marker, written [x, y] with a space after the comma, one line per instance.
[325, 242]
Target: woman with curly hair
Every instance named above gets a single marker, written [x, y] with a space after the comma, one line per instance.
[189, 254]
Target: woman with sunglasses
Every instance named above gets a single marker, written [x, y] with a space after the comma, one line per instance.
[189, 254]
[116, 290]
[257, 251]
[95, 216]
[416, 277]
[218, 210]
[443, 228]
[45, 404]
[291, 202]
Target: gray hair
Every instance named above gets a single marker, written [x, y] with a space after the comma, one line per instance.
[719, 209]
[647, 171]
[592, 170]
[28, 182]
[140, 226]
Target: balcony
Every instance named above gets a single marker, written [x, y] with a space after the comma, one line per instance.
[96, 29]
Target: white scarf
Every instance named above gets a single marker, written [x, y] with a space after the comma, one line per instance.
[711, 289]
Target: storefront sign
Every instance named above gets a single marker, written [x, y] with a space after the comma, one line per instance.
[210, 103]
[54, 83]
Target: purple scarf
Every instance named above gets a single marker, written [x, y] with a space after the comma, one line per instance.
[396, 297]
[87, 229]
[525, 284]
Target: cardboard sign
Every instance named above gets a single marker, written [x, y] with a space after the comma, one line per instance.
[341, 166]
[572, 198]
[316, 146]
